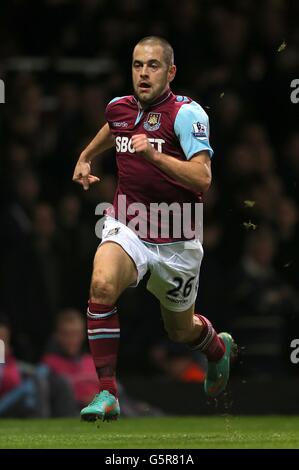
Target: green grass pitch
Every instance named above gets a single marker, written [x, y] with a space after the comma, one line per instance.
[222, 432]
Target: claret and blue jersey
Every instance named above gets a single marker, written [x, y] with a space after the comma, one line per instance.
[176, 126]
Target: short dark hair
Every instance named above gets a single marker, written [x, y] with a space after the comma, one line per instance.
[167, 48]
[68, 315]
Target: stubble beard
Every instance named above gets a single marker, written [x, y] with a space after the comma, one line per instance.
[146, 100]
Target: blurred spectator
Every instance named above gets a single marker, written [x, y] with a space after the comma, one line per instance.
[73, 381]
[10, 376]
[23, 389]
[177, 363]
[287, 226]
[33, 283]
[18, 214]
[261, 306]
[65, 357]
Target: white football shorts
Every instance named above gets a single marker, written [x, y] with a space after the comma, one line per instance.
[174, 267]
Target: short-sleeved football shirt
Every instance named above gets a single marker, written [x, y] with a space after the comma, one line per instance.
[175, 125]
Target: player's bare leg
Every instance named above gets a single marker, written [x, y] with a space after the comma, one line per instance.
[198, 332]
[182, 327]
[113, 272]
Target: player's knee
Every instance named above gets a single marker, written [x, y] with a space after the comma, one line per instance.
[179, 336]
[102, 289]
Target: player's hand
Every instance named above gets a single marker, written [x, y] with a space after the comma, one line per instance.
[142, 145]
[82, 175]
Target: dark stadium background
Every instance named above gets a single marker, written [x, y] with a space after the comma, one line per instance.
[61, 62]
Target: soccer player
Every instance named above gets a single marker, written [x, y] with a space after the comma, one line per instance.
[163, 156]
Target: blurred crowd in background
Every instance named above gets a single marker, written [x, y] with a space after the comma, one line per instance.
[62, 61]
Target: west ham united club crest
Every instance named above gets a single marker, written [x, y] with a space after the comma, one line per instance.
[153, 122]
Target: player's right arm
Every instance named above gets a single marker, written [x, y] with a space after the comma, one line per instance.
[104, 140]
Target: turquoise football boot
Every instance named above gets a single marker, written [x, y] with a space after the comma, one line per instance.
[104, 406]
[218, 372]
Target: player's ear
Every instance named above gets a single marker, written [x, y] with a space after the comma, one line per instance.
[171, 72]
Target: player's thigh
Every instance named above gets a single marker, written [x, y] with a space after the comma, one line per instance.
[177, 321]
[113, 265]
[174, 277]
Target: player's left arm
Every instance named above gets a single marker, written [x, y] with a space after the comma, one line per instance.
[194, 173]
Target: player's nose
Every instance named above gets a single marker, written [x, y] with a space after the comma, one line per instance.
[144, 71]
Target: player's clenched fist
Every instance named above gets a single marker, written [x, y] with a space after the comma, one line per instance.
[142, 145]
[82, 175]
